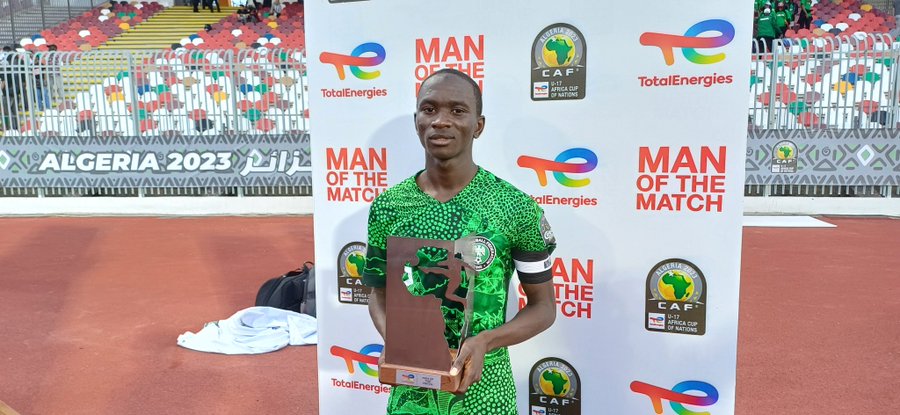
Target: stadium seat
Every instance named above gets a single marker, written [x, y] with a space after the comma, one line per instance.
[92, 28]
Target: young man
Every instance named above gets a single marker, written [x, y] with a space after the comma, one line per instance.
[805, 14]
[766, 30]
[782, 19]
[45, 68]
[451, 199]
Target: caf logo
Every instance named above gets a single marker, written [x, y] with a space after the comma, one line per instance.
[676, 298]
[547, 231]
[350, 265]
[555, 388]
[558, 64]
[784, 157]
[484, 253]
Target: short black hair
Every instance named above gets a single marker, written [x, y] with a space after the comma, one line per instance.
[462, 75]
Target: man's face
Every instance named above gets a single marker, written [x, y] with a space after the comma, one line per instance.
[446, 119]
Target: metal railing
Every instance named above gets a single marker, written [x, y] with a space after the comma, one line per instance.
[116, 93]
[781, 190]
[838, 83]
[841, 83]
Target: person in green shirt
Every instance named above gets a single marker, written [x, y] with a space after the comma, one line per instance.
[782, 19]
[766, 30]
[455, 199]
[759, 5]
[791, 7]
[804, 14]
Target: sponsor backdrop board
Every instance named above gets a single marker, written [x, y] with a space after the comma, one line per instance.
[629, 132]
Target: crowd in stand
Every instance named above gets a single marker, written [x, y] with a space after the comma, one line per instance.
[823, 23]
[771, 23]
[207, 4]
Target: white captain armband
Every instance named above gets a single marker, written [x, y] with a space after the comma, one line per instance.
[533, 267]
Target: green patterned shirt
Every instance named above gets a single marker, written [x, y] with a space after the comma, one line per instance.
[506, 229]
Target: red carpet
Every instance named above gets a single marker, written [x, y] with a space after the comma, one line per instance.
[91, 308]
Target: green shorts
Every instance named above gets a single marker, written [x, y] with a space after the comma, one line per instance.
[494, 394]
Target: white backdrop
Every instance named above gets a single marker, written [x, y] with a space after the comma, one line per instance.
[621, 218]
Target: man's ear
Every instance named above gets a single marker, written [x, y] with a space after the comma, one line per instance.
[479, 125]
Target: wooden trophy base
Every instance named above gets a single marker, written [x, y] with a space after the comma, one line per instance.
[424, 378]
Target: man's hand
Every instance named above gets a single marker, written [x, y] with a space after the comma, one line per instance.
[470, 360]
[537, 315]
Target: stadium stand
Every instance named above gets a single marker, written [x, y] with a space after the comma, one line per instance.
[169, 26]
[284, 31]
[837, 74]
[93, 28]
[249, 77]
[147, 91]
[187, 93]
[20, 17]
[845, 17]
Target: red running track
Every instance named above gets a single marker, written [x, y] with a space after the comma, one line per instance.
[91, 307]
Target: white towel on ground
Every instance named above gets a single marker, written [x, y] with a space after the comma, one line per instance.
[253, 330]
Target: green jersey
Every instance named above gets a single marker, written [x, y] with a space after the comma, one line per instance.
[782, 17]
[765, 26]
[509, 233]
[807, 5]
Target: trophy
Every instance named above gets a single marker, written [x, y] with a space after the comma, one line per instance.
[416, 353]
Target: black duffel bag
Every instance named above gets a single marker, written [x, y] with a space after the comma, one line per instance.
[295, 291]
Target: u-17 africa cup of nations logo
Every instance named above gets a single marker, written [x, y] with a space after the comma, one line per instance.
[784, 157]
[558, 64]
[555, 388]
[350, 265]
[676, 298]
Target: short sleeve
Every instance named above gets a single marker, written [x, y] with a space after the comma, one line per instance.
[533, 245]
[376, 253]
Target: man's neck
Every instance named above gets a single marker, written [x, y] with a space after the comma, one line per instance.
[445, 179]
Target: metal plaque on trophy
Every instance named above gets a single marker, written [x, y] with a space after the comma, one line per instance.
[416, 353]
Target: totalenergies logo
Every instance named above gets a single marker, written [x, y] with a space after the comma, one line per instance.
[691, 41]
[355, 60]
[677, 397]
[561, 165]
[364, 358]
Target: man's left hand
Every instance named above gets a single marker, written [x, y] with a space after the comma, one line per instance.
[470, 360]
